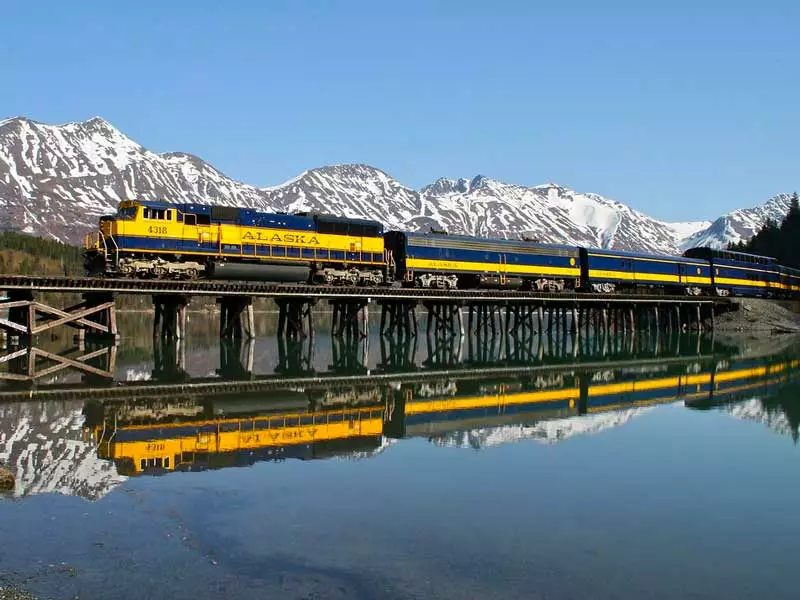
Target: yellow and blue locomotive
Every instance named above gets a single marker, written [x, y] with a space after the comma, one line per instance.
[186, 241]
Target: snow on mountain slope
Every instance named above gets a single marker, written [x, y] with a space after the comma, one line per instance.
[56, 180]
[739, 225]
[42, 443]
[687, 229]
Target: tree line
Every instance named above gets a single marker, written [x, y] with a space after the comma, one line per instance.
[779, 241]
[22, 254]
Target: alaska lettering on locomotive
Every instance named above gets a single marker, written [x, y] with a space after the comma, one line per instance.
[286, 238]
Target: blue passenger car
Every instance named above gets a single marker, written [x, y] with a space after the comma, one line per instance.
[449, 261]
[790, 282]
[740, 274]
[612, 270]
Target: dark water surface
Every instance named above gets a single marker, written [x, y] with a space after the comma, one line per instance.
[644, 468]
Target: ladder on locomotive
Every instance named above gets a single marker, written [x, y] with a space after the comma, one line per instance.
[110, 265]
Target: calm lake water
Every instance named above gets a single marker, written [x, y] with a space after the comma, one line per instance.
[618, 468]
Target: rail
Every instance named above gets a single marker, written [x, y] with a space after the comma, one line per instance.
[12, 283]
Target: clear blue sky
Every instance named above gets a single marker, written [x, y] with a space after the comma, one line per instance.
[682, 109]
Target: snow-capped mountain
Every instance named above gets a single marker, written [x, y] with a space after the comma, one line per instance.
[42, 444]
[739, 225]
[56, 180]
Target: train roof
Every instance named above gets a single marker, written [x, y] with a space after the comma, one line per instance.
[501, 241]
[723, 253]
[335, 219]
[640, 255]
[206, 209]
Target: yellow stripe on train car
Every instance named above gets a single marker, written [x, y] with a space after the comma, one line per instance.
[644, 385]
[741, 374]
[647, 277]
[424, 264]
[415, 407]
[629, 276]
[658, 260]
[739, 282]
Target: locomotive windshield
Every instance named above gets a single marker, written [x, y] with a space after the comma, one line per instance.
[127, 214]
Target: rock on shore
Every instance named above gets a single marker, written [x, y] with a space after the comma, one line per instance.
[758, 315]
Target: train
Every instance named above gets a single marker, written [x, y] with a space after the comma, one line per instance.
[191, 241]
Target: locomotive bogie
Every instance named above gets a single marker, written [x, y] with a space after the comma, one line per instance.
[159, 268]
[436, 281]
[352, 277]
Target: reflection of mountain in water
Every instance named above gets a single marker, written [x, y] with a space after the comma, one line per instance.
[546, 432]
[754, 410]
[42, 443]
[155, 427]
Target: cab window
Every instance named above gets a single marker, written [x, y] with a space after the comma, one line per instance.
[155, 213]
[127, 214]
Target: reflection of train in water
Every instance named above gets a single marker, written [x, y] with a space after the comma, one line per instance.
[219, 431]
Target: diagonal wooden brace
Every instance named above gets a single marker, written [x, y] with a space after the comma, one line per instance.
[13, 355]
[64, 362]
[76, 317]
[6, 324]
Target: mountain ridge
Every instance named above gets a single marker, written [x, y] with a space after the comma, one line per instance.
[56, 180]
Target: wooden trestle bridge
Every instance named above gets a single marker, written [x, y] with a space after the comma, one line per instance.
[489, 313]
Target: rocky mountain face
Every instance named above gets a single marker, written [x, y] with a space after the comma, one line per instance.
[56, 180]
[740, 225]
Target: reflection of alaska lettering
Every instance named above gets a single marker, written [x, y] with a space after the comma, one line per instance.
[286, 238]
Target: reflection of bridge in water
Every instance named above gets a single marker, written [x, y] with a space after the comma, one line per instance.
[349, 356]
[200, 424]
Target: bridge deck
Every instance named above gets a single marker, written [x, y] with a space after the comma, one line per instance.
[219, 288]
